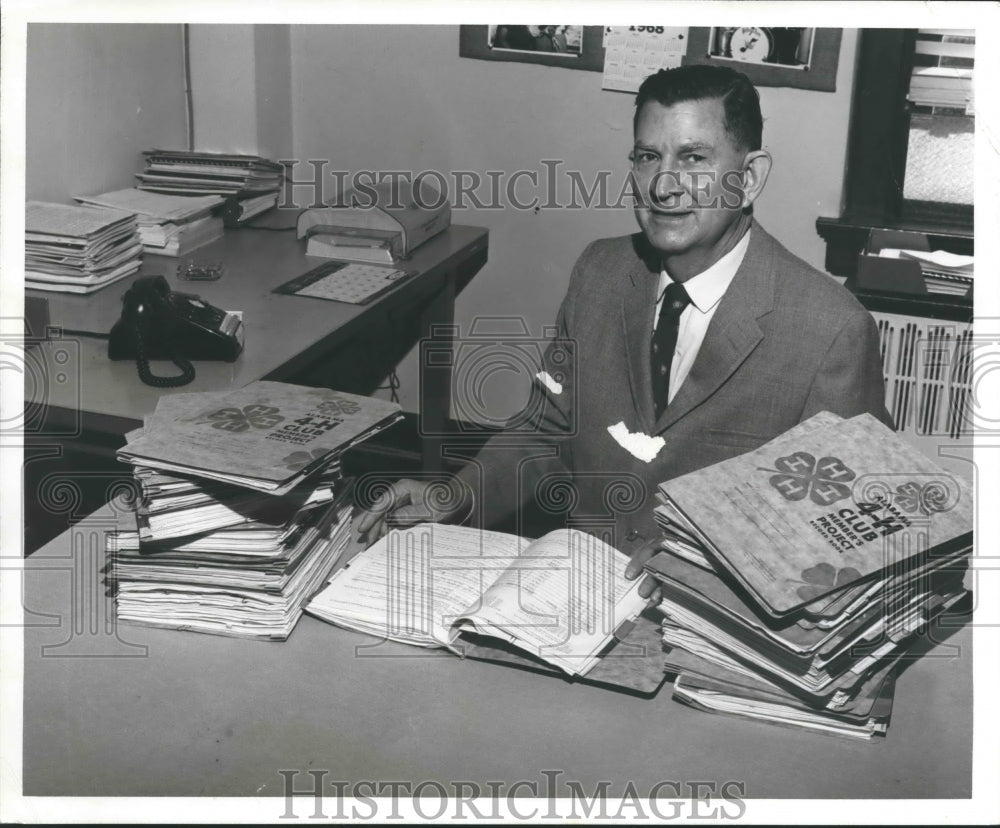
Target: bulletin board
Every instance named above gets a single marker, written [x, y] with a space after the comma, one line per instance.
[799, 57]
[814, 69]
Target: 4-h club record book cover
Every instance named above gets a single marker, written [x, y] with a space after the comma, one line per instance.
[826, 504]
[266, 436]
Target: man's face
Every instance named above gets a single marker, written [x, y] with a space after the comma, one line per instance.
[688, 169]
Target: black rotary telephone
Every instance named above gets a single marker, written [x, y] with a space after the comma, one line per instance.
[159, 324]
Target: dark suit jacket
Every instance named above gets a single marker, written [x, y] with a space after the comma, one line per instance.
[786, 342]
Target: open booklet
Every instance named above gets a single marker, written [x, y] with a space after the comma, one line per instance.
[561, 598]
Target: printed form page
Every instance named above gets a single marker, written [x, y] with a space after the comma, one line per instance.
[412, 584]
[561, 600]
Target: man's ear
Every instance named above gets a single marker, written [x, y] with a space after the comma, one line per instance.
[756, 168]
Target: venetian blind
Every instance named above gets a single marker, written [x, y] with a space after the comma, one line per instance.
[943, 66]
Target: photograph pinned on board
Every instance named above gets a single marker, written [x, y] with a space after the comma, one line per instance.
[784, 46]
[564, 41]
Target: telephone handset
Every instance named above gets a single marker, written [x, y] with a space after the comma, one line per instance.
[159, 324]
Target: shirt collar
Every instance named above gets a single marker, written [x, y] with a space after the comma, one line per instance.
[707, 288]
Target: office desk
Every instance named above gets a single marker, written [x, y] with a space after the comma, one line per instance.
[76, 387]
[147, 712]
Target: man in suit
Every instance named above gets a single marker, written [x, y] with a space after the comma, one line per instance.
[545, 41]
[695, 340]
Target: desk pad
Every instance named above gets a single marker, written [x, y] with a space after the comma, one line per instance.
[352, 282]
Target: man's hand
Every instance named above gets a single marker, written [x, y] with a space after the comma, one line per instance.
[649, 588]
[407, 502]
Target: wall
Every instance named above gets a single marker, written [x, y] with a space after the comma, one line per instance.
[240, 81]
[400, 97]
[272, 48]
[222, 88]
[97, 95]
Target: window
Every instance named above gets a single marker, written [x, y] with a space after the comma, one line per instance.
[939, 151]
[909, 159]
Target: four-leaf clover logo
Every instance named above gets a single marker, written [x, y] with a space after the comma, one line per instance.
[800, 474]
[302, 458]
[931, 497]
[338, 406]
[238, 420]
[823, 578]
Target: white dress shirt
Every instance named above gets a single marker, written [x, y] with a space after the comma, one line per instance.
[706, 291]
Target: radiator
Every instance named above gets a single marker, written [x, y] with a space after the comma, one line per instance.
[927, 364]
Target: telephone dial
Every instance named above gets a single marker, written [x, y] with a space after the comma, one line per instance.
[157, 323]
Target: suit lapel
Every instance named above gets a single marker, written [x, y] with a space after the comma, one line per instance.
[637, 308]
[733, 332]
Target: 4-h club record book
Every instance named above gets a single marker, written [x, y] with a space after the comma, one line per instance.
[266, 436]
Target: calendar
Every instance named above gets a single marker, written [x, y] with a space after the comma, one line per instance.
[634, 52]
[352, 282]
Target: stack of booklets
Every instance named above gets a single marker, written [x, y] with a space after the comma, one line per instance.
[169, 225]
[797, 577]
[244, 512]
[74, 249]
[253, 180]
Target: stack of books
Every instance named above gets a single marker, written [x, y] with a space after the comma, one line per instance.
[253, 181]
[74, 249]
[244, 512]
[796, 578]
[169, 225]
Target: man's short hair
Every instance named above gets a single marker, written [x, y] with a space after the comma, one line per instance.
[739, 97]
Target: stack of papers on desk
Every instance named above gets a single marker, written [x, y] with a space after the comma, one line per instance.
[797, 576]
[944, 273]
[73, 249]
[210, 173]
[169, 225]
[237, 588]
[722, 685]
[177, 506]
[212, 553]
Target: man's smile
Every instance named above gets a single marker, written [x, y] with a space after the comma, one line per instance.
[669, 215]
